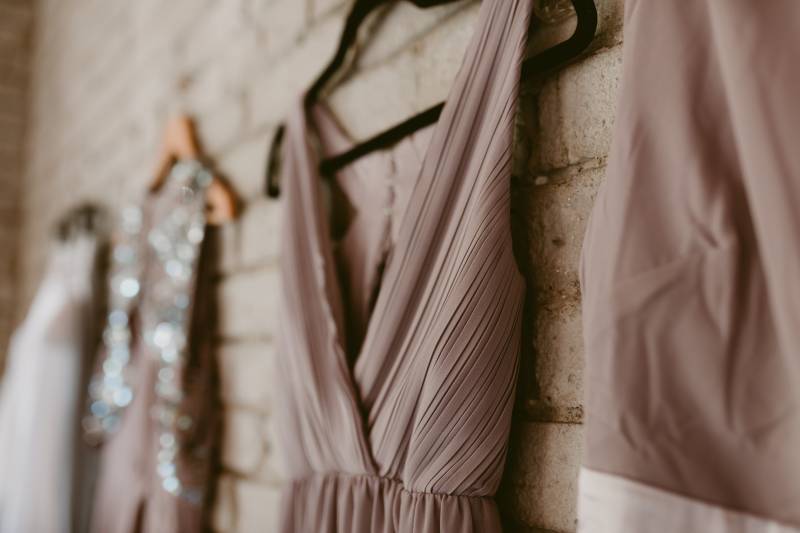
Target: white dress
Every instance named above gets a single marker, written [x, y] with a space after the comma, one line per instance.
[40, 396]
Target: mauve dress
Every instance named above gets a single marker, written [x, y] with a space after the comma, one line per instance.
[691, 277]
[400, 332]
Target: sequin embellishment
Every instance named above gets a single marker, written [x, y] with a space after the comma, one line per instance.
[175, 244]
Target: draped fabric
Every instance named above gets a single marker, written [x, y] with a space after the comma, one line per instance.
[691, 278]
[40, 395]
[400, 326]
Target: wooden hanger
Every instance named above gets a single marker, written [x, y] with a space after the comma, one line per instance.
[180, 143]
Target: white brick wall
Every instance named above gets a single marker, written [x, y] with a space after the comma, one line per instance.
[104, 76]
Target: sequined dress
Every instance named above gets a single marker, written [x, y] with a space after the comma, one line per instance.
[152, 399]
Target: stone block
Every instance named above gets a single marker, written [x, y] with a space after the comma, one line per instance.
[411, 81]
[223, 515]
[318, 9]
[403, 25]
[279, 85]
[552, 213]
[257, 506]
[247, 374]
[278, 23]
[577, 109]
[260, 237]
[221, 126]
[558, 363]
[244, 164]
[272, 469]
[243, 446]
[541, 484]
[247, 304]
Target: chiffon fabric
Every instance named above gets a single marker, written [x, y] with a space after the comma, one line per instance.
[691, 278]
[40, 395]
[402, 310]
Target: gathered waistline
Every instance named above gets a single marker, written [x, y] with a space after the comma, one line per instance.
[396, 484]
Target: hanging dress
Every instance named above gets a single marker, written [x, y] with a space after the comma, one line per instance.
[691, 278]
[152, 402]
[400, 326]
[40, 395]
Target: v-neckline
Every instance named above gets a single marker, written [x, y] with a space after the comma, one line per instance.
[323, 247]
[325, 244]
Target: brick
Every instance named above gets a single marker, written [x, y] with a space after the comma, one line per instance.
[318, 9]
[379, 98]
[541, 487]
[279, 24]
[553, 208]
[220, 127]
[558, 356]
[243, 446]
[247, 304]
[610, 14]
[258, 507]
[208, 32]
[260, 237]
[223, 515]
[227, 256]
[554, 215]
[246, 370]
[276, 89]
[403, 25]
[244, 164]
[577, 110]
[412, 81]
[272, 469]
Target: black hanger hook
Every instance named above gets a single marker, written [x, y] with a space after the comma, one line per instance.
[545, 61]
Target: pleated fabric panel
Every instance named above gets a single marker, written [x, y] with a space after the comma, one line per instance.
[411, 437]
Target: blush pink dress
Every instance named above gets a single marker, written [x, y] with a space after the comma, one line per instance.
[402, 311]
[691, 278]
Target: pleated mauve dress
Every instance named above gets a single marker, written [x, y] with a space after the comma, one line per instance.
[691, 278]
[400, 333]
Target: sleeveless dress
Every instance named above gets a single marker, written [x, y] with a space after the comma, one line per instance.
[156, 465]
[691, 278]
[40, 395]
[400, 327]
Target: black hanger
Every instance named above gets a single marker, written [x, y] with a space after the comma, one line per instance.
[360, 10]
[83, 219]
[358, 13]
[545, 61]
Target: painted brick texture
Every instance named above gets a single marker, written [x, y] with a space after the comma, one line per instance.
[105, 75]
[16, 18]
